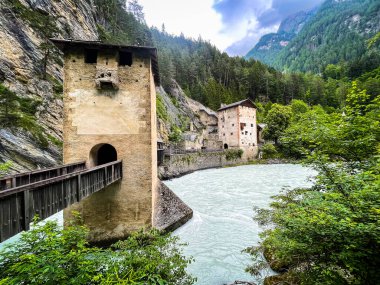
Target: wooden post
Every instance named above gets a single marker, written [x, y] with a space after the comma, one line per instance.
[79, 190]
[26, 211]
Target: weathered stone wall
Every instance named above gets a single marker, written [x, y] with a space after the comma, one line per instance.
[248, 133]
[123, 118]
[229, 127]
[181, 164]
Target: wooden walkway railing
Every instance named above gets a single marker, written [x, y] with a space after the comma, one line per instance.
[18, 205]
[39, 175]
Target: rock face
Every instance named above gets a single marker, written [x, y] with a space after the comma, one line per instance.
[271, 44]
[20, 72]
[169, 211]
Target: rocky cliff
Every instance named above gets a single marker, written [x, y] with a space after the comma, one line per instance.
[270, 45]
[21, 54]
[34, 140]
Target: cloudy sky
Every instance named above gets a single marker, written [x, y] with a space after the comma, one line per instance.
[232, 25]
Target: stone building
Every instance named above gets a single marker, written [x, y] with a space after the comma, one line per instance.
[237, 127]
[110, 114]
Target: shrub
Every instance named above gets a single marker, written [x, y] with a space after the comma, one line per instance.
[50, 255]
[269, 150]
[233, 154]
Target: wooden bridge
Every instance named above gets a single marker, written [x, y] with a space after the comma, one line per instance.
[46, 192]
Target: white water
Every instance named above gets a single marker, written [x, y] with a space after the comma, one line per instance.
[222, 226]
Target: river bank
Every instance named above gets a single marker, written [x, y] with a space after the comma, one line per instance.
[179, 165]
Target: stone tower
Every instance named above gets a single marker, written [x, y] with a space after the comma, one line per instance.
[110, 114]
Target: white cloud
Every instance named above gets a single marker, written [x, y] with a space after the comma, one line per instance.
[193, 18]
[231, 25]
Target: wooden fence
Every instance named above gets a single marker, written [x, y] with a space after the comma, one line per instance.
[39, 175]
[18, 205]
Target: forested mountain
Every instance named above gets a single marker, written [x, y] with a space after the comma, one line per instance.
[270, 45]
[334, 32]
[337, 33]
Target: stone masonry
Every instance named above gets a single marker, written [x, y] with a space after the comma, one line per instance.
[107, 103]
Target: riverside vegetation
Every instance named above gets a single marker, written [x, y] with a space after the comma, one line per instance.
[328, 234]
[48, 254]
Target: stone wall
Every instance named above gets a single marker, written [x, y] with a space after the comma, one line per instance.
[123, 118]
[181, 164]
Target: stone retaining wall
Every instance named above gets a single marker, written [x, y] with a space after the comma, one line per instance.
[181, 164]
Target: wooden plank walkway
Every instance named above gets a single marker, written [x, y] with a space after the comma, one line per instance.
[18, 205]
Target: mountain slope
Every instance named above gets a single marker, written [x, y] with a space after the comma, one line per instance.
[270, 45]
[338, 32]
[31, 137]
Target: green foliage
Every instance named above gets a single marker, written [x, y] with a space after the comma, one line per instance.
[298, 107]
[346, 137]
[50, 255]
[374, 40]
[176, 135]
[233, 154]
[269, 151]
[357, 100]
[277, 120]
[55, 141]
[161, 110]
[328, 234]
[4, 167]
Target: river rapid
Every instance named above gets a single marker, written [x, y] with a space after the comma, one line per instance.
[222, 226]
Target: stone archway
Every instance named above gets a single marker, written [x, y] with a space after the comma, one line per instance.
[102, 154]
[225, 146]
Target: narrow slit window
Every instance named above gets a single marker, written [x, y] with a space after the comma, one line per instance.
[125, 58]
[91, 56]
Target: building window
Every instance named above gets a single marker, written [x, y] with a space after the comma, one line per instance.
[91, 56]
[252, 125]
[242, 133]
[246, 132]
[233, 125]
[224, 134]
[232, 134]
[125, 58]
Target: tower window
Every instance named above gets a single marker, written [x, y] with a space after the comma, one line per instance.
[125, 58]
[90, 56]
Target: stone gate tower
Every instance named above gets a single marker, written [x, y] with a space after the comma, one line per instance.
[110, 114]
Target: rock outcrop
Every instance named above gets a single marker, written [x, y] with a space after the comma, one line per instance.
[20, 72]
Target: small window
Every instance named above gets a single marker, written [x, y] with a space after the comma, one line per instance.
[233, 124]
[125, 58]
[246, 132]
[91, 56]
[252, 125]
[224, 134]
[242, 133]
[232, 134]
